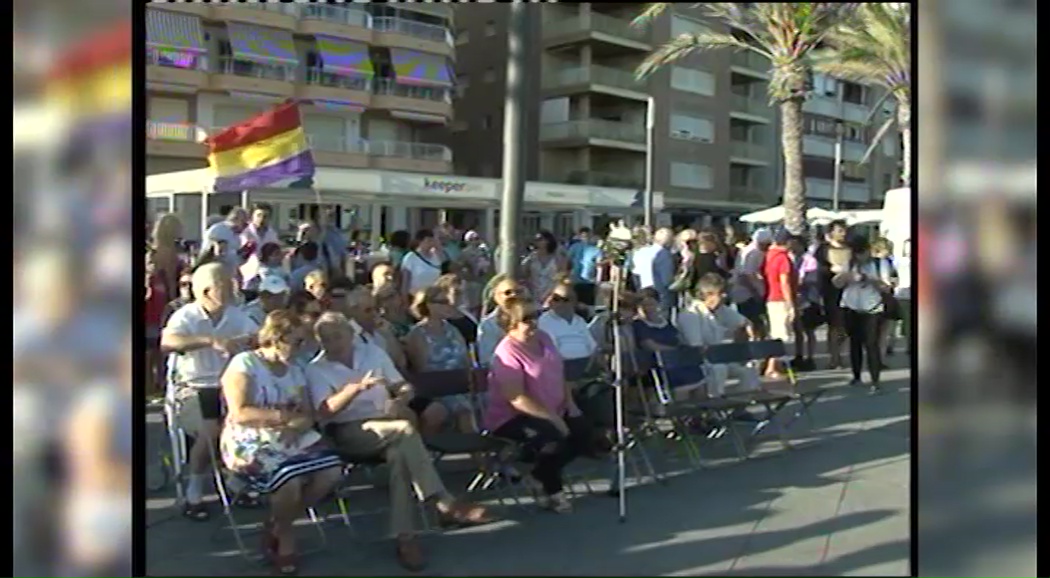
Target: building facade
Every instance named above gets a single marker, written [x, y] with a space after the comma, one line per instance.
[716, 142]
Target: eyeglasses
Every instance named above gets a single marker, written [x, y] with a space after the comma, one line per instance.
[510, 292]
[185, 283]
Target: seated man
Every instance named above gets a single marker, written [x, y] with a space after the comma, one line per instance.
[708, 321]
[206, 333]
[357, 392]
[570, 333]
[360, 307]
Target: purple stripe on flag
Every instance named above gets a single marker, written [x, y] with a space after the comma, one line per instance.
[301, 165]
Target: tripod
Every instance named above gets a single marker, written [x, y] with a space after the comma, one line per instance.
[624, 442]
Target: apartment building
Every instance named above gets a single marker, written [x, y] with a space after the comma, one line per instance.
[372, 78]
[716, 141]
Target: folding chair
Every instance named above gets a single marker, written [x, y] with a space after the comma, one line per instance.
[494, 451]
[177, 437]
[678, 371]
[776, 348]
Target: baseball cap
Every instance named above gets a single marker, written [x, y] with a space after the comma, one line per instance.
[471, 236]
[781, 236]
[763, 236]
[272, 284]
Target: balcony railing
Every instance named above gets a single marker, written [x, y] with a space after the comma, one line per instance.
[336, 144]
[176, 59]
[231, 65]
[751, 150]
[594, 75]
[319, 77]
[410, 150]
[750, 105]
[289, 9]
[389, 87]
[600, 179]
[430, 32]
[160, 130]
[618, 27]
[335, 13]
[594, 128]
[750, 60]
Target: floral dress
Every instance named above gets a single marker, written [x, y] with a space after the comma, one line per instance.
[258, 453]
[445, 352]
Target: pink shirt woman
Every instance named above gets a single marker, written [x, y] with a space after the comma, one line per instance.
[543, 374]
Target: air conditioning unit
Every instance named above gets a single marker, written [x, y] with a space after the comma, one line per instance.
[680, 134]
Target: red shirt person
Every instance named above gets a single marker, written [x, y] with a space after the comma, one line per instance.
[781, 288]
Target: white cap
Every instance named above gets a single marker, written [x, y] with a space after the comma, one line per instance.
[763, 236]
[272, 284]
[471, 236]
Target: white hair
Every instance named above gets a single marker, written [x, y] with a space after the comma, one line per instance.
[206, 276]
[327, 323]
[663, 236]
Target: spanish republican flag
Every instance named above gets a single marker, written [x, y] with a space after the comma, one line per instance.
[261, 151]
[92, 79]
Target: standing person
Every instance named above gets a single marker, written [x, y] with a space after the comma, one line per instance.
[228, 231]
[810, 308]
[654, 268]
[157, 297]
[333, 243]
[205, 334]
[781, 291]
[168, 264]
[476, 266]
[748, 289]
[863, 287]
[308, 233]
[543, 266]
[398, 247]
[584, 255]
[882, 254]
[271, 258]
[422, 266]
[254, 237]
[306, 257]
[185, 296]
[708, 258]
[833, 257]
[272, 295]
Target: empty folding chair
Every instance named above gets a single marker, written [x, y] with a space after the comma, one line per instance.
[806, 397]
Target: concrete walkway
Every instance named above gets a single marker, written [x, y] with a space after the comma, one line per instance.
[837, 505]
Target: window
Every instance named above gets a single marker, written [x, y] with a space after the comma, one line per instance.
[853, 93]
[490, 28]
[691, 128]
[488, 170]
[691, 176]
[462, 37]
[489, 75]
[691, 80]
[824, 85]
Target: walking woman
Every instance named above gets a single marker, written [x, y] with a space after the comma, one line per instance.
[863, 286]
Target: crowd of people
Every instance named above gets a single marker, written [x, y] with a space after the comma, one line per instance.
[292, 360]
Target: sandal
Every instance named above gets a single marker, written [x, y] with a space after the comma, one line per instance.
[559, 504]
[464, 516]
[196, 512]
[410, 555]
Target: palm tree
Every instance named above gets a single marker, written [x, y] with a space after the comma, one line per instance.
[786, 34]
[874, 47]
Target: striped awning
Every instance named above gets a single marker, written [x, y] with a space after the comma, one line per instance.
[263, 45]
[344, 57]
[174, 31]
[421, 68]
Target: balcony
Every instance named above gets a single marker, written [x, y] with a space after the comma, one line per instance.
[596, 78]
[753, 63]
[595, 132]
[608, 30]
[176, 71]
[430, 100]
[191, 8]
[281, 16]
[335, 20]
[410, 157]
[252, 77]
[339, 152]
[169, 139]
[754, 193]
[326, 86]
[851, 192]
[600, 179]
[393, 32]
[756, 109]
[751, 152]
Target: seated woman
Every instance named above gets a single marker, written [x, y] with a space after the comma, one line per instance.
[307, 309]
[490, 333]
[654, 333]
[394, 311]
[434, 344]
[269, 436]
[530, 402]
[460, 316]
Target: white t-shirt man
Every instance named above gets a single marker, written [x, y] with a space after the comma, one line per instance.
[572, 338]
[701, 327]
[252, 235]
[325, 377]
[423, 272]
[203, 367]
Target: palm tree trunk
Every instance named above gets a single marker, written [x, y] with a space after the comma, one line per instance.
[794, 180]
[904, 126]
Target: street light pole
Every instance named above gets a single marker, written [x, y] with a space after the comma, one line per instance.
[837, 184]
[513, 145]
[647, 197]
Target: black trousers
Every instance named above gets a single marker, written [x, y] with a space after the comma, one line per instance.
[863, 332]
[547, 447]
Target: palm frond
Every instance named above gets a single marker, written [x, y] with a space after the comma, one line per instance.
[879, 134]
[651, 12]
[684, 45]
[874, 46]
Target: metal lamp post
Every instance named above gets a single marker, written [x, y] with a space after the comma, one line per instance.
[513, 146]
[840, 129]
[647, 197]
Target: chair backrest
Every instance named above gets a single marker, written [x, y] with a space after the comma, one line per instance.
[728, 353]
[768, 348]
[435, 384]
[680, 367]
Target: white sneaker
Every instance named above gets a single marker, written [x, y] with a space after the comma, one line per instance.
[559, 504]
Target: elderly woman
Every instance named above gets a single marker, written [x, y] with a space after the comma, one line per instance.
[489, 330]
[269, 436]
[384, 275]
[460, 316]
[434, 344]
[307, 309]
[530, 402]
